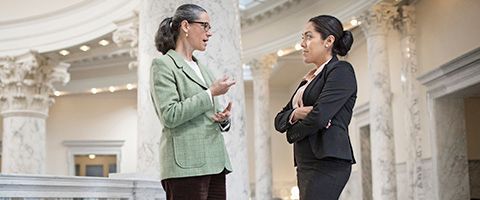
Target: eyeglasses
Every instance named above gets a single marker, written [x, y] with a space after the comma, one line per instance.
[206, 26]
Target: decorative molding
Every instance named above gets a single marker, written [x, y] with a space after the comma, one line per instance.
[378, 19]
[127, 35]
[27, 81]
[343, 13]
[453, 76]
[361, 114]
[253, 18]
[70, 27]
[101, 147]
[261, 68]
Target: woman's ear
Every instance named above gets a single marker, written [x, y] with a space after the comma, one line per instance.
[330, 40]
[185, 26]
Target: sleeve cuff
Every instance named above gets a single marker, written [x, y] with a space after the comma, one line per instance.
[290, 120]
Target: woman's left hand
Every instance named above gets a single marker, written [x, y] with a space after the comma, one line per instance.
[224, 115]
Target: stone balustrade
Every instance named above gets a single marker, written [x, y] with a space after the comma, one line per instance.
[47, 187]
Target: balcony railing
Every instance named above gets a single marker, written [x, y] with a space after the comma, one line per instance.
[45, 187]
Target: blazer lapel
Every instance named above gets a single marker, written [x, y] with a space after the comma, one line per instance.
[319, 79]
[180, 63]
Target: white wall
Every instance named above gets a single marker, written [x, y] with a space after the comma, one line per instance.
[104, 116]
[446, 30]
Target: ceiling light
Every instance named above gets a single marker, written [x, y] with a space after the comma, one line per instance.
[104, 42]
[64, 52]
[84, 48]
[57, 93]
[298, 47]
[111, 89]
[129, 86]
[92, 156]
[94, 90]
[280, 53]
[354, 22]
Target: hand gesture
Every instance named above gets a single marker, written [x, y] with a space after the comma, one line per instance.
[221, 86]
[301, 112]
[224, 115]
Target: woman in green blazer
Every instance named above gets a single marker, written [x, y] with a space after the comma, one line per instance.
[193, 157]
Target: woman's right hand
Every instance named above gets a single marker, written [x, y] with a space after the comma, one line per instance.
[221, 86]
[301, 112]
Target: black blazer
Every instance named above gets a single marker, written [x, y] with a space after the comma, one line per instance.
[332, 93]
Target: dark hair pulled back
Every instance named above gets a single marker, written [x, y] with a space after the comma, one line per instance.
[329, 25]
[169, 28]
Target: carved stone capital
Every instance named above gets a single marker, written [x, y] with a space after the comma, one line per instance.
[262, 67]
[126, 35]
[26, 82]
[378, 19]
[408, 25]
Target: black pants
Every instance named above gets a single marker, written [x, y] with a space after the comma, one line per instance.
[208, 187]
[319, 179]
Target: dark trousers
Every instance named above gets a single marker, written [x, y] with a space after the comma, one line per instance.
[208, 187]
[319, 179]
[324, 180]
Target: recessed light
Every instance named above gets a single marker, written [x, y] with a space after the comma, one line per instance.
[64, 52]
[104, 42]
[84, 48]
[298, 47]
[111, 89]
[94, 90]
[129, 86]
[280, 53]
[354, 22]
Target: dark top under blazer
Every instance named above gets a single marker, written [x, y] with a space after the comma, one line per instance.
[332, 93]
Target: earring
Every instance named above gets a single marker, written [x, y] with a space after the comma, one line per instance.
[326, 46]
[186, 34]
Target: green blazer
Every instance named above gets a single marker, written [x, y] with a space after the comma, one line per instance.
[191, 143]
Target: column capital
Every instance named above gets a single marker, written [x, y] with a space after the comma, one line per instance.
[26, 81]
[126, 35]
[407, 15]
[263, 66]
[378, 19]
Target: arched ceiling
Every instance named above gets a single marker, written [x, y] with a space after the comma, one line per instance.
[55, 24]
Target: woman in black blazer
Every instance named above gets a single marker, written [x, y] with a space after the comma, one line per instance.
[317, 116]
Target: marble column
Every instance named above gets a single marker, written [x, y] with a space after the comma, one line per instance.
[222, 56]
[261, 100]
[149, 127]
[26, 85]
[411, 93]
[375, 23]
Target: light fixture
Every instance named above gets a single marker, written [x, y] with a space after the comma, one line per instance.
[298, 47]
[84, 48]
[403, 78]
[103, 42]
[111, 89]
[92, 156]
[129, 86]
[94, 90]
[64, 52]
[354, 22]
[57, 93]
[280, 53]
